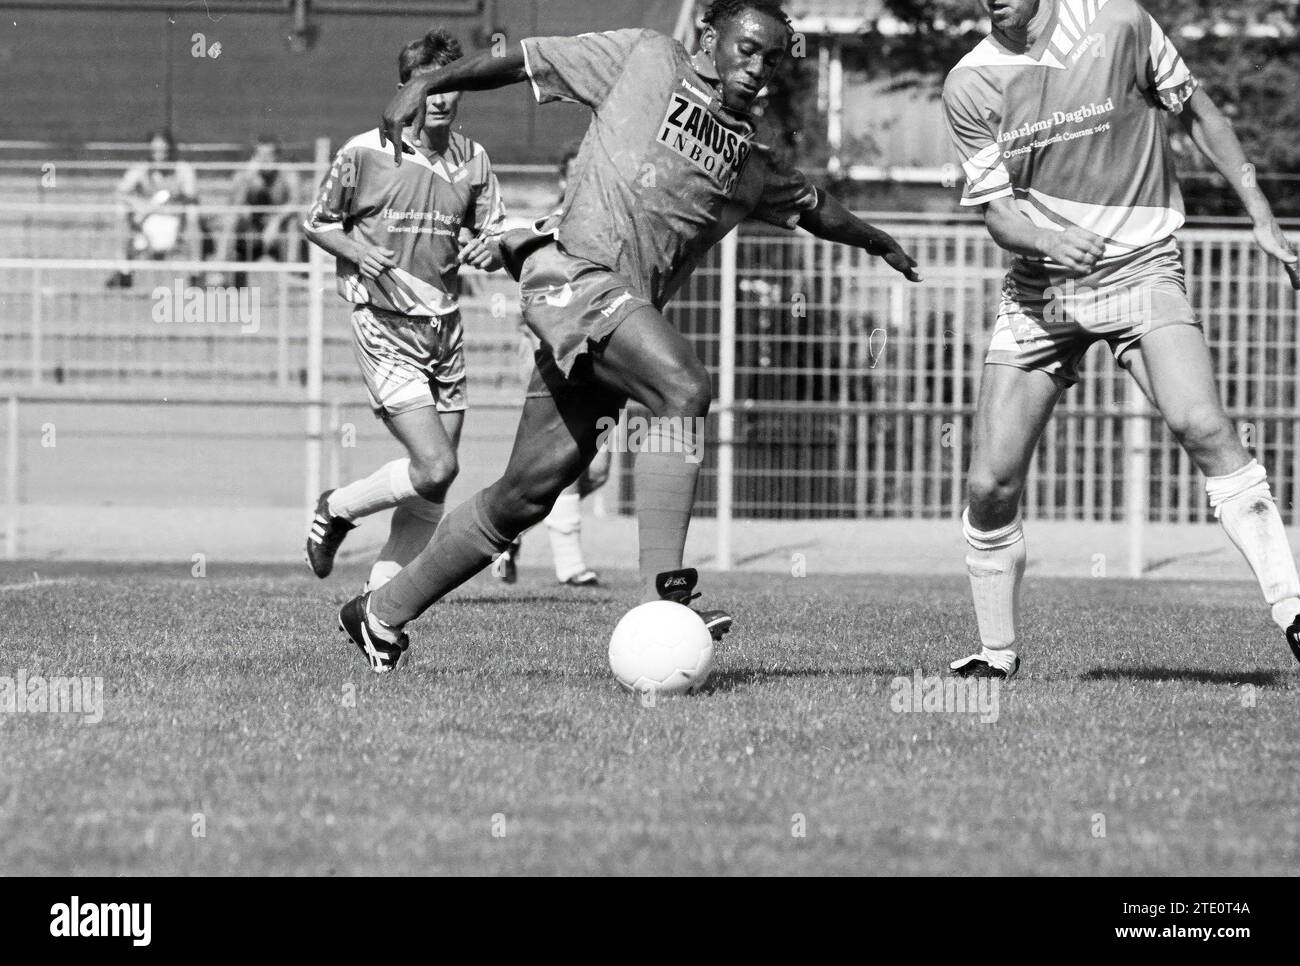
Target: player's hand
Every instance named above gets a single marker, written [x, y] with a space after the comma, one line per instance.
[904, 264]
[1076, 248]
[406, 109]
[1269, 237]
[375, 261]
[479, 252]
[896, 257]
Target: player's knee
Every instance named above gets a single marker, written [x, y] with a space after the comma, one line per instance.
[688, 392]
[525, 498]
[1201, 428]
[433, 476]
[992, 493]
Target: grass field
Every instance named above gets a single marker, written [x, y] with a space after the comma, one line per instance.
[1162, 714]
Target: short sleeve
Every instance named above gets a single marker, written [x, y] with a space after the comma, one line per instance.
[1166, 76]
[581, 69]
[489, 207]
[787, 196]
[977, 148]
[336, 200]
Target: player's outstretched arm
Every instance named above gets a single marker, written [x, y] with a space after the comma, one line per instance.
[483, 71]
[1212, 133]
[832, 221]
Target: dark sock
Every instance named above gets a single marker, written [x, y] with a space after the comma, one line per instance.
[667, 468]
[465, 543]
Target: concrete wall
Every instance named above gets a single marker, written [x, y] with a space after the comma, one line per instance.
[77, 75]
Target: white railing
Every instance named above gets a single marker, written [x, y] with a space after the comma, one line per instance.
[842, 390]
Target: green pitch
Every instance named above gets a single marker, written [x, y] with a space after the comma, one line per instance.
[1152, 730]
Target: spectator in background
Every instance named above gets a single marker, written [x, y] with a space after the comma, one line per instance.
[159, 199]
[259, 232]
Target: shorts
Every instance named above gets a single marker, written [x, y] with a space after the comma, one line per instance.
[410, 362]
[572, 305]
[1048, 322]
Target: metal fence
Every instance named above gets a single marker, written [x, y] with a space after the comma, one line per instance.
[854, 390]
[843, 391]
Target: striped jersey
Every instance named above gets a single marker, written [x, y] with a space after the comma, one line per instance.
[1073, 128]
[416, 210]
[665, 170]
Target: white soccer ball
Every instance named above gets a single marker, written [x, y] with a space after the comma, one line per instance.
[661, 647]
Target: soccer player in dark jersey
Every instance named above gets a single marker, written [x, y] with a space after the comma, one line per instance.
[1058, 117]
[396, 233]
[668, 167]
[564, 522]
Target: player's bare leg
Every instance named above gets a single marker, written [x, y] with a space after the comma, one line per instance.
[416, 482]
[557, 438]
[432, 440]
[1014, 407]
[1173, 367]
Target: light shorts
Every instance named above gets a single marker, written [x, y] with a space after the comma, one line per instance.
[410, 362]
[1048, 322]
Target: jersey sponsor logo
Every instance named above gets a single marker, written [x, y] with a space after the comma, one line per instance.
[1082, 113]
[693, 132]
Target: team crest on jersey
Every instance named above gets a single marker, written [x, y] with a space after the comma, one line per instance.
[691, 130]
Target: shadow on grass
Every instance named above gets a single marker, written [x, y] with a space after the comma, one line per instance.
[505, 597]
[1257, 678]
[732, 678]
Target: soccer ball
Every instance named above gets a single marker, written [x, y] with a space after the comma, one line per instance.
[661, 647]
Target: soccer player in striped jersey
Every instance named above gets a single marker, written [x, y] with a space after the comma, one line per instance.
[668, 166]
[396, 233]
[1058, 117]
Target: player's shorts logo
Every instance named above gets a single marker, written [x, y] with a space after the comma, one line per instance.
[609, 310]
[559, 297]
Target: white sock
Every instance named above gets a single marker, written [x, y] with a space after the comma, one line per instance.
[564, 524]
[413, 525]
[385, 632]
[385, 488]
[1243, 503]
[996, 564]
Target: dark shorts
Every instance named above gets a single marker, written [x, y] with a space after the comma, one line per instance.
[1049, 323]
[572, 305]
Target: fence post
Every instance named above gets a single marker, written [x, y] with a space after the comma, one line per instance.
[36, 324]
[1137, 476]
[282, 333]
[315, 372]
[726, 400]
[11, 479]
[336, 424]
